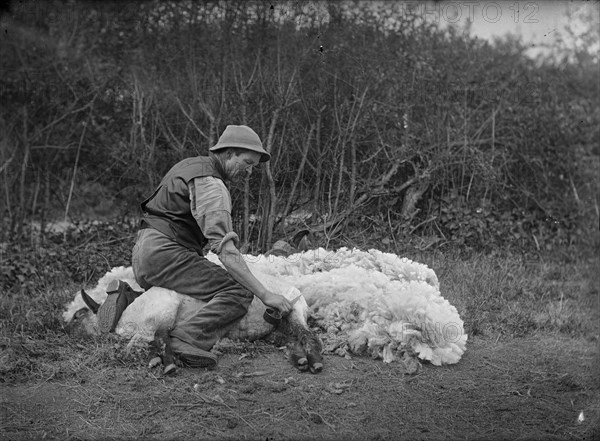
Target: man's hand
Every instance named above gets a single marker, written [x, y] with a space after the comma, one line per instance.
[235, 265]
[278, 302]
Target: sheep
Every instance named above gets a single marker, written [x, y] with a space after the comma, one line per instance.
[151, 315]
[366, 302]
[374, 302]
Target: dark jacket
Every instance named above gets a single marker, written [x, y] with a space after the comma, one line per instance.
[168, 209]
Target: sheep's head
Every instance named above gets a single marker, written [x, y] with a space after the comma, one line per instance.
[306, 346]
[84, 323]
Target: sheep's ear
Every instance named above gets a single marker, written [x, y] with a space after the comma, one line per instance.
[91, 303]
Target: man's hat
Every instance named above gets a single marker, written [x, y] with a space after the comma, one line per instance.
[241, 137]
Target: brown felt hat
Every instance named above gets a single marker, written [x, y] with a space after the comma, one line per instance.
[241, 137]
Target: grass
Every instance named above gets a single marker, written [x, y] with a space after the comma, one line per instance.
[496, 295]
[527, 371]
[512, 296]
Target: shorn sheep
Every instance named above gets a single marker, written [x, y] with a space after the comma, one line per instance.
[366, 302]
[155, 312]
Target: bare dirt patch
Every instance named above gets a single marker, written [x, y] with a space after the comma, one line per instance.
[538, 387]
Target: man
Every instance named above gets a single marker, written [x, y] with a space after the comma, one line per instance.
[191, 208]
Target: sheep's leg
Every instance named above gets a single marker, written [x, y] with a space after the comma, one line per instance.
[305, 346]
[296, 352]
[313, 348]
[298, 356]
[163, 352]
[156, 351]
[155, 359]
[168, 358]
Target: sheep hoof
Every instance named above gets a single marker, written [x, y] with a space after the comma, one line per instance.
[316, 368]
[170, 369]
[315, 360]
[155, 361]
[302, 364]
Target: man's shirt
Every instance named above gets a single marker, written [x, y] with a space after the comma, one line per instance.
[210, 203]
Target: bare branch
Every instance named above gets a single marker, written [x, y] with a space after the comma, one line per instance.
[190, 119]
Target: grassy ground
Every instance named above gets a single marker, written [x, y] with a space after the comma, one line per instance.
[528, 372]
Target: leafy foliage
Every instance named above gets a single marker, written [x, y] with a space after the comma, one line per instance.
[399, 116]
[81, 254]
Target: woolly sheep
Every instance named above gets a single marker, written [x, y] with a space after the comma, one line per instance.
[374, 302]
[367, 302]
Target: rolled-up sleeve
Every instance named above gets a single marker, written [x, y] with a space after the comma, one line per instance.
[210, 203]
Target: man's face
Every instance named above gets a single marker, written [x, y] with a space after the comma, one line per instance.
[239, 166]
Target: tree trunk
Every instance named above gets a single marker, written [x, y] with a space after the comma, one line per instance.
[246, 200]
[340, 178]
[352, 169]
[46, 206]
[72, 187]
[270, 202]
[21, 213]
[317, 189]
[288, 205]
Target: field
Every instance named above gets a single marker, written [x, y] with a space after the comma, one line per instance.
[391, 125]
[528, 372]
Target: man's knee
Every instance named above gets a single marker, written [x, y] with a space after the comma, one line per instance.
[138, 273]
[245, 297]
[235, 302]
